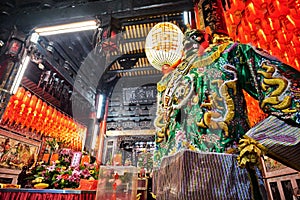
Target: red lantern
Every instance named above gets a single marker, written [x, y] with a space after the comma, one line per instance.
[48, 113]
[57, 124]
[253, 37]
[263, 41]
[297, 63]
[41, 117]
[52, 118]
[277, 9]
[19, 116]
[293, 20]
[296, 50]
[241, 36]
[252, 14]
[32, 103]
[35, 113]
[237, 16]
[29, 108]
[38, 107]
[43, 109]
[25, 101]
[261, 5]
[284, 37]
[19, 94]
[275, 48]
[12, 107]
[296, 37]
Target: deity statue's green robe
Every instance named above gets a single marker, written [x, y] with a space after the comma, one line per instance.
[201, 105]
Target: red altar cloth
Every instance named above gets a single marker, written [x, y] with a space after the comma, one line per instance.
[36, 194]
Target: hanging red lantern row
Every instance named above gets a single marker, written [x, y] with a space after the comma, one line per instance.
[273, 25]
[28, 114]
[268, 24]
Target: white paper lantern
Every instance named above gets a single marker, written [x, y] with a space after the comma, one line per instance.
[164, 45]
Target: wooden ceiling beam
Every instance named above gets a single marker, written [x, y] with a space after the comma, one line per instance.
[121, 9]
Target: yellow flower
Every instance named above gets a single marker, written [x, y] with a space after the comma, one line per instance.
[38, 180]
[63, 167]
[92, 171]
[41, 185]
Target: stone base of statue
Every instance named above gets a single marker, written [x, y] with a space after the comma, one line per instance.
[194, 176]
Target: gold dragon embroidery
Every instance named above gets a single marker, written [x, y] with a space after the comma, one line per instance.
[276, 86]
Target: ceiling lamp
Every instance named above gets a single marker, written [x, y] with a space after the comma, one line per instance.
[164, 45]
[67, 28]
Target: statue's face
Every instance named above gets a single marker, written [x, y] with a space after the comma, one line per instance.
[194, 38]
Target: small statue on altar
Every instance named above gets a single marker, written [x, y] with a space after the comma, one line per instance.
[6, 153]
[22, 177]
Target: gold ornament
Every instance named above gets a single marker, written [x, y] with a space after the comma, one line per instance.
[250, 152]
